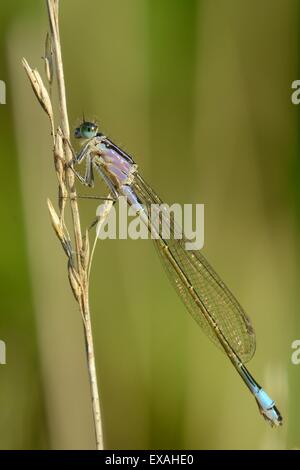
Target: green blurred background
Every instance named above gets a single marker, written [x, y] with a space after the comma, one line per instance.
[199, 92]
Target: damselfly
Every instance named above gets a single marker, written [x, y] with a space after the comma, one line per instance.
[202, 291]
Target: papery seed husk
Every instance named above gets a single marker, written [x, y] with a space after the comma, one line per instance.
[39, 89]
[73, 276]
[49, 68]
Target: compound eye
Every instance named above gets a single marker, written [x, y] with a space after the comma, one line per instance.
[88, 130]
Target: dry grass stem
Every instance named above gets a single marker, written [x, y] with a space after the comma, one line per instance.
[79, 257]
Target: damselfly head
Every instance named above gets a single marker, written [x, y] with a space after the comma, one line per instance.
[86, 130]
